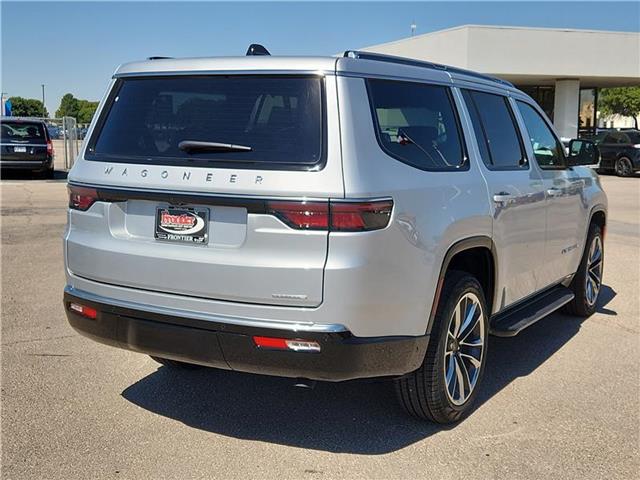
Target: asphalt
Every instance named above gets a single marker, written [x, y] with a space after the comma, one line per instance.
[561, 400]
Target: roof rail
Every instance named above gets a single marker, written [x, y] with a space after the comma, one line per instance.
[380, 57]
[159, 58]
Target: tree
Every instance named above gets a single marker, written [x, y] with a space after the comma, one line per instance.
[623, 101]
[86, 109]
[27, 107]
[81, 110]
[69, 107]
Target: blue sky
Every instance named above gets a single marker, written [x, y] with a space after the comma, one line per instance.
[75, 46]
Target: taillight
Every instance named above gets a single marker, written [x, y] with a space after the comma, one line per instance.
[360, 216]
[81, 198]
[49, 147]
[301, 215]
[336, 216]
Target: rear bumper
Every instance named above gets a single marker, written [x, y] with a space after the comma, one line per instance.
[228, 346]
[26, 164]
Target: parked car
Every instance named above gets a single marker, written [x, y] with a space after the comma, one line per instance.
[619, 152]
[26, 145]
[53, 130]
[328, 219]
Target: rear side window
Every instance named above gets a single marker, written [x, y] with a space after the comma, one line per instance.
[495, 129]
[23, 132]
[272, 122]
[417, 124]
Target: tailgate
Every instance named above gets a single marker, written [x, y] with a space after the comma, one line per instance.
[249, 256]
[230, 152]
[27, 153]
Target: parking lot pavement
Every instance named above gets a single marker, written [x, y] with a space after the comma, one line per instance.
[559, 400]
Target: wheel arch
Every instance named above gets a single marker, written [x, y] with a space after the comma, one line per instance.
[476, 256]
[598, 215]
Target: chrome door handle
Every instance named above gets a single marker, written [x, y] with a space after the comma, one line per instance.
[554, 192]
[502, 197]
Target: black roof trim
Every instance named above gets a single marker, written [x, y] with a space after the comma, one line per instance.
[379, 57]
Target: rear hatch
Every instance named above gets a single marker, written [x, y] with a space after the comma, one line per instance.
[23, 141]
[209, 186]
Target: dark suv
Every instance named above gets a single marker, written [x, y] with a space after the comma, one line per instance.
[619, 152]
[26, 145]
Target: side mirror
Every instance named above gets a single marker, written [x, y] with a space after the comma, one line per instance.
[583, 152]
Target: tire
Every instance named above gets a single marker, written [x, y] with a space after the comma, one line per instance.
[175, 364]
[624, 167]
[584, 304]
[425, 393]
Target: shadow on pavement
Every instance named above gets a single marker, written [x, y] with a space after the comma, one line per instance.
[359, 417]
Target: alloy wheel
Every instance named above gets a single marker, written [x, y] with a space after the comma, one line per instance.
[593, 280]
[623, 167]
[464, 350]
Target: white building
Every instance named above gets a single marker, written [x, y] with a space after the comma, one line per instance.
[561, 69]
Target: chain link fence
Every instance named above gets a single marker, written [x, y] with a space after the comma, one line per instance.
[67, 138]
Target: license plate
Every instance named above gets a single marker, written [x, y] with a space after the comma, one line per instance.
[20, 149]
[182, 225]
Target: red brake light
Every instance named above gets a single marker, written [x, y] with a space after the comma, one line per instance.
[360, 216]
[301, 215]
[49, 147]
[336, 216]
[81, 198]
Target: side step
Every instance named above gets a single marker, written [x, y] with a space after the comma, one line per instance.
[516, 319]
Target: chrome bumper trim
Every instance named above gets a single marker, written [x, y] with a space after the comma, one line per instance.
[247, 322]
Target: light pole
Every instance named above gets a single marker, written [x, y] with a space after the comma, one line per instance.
[43, 107]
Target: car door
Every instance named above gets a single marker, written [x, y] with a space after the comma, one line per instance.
[516, 193]
[567, 207]
[607, 150]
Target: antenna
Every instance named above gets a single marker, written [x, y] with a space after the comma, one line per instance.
[413, 28]
[257, 49]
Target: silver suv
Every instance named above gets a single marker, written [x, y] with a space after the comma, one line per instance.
[328, 219]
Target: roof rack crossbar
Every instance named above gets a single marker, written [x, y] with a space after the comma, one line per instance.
[423, 64]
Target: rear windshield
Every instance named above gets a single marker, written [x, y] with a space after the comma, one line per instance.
[23, 132]
[270, 121]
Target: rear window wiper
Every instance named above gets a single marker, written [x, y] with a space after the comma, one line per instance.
[198, 146]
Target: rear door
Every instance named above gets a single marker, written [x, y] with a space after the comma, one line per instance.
[516, 193]
[607, 148]
[23, 141]
[567, 207]
[211, 186]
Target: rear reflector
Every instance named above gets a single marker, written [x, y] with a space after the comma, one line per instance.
[296, 345]
[83, 310]
[81, 198]
[336, 216]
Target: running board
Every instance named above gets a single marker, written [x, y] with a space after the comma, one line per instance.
[516, 319]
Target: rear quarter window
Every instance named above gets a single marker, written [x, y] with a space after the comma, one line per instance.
[281, 120]
[417, 124]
